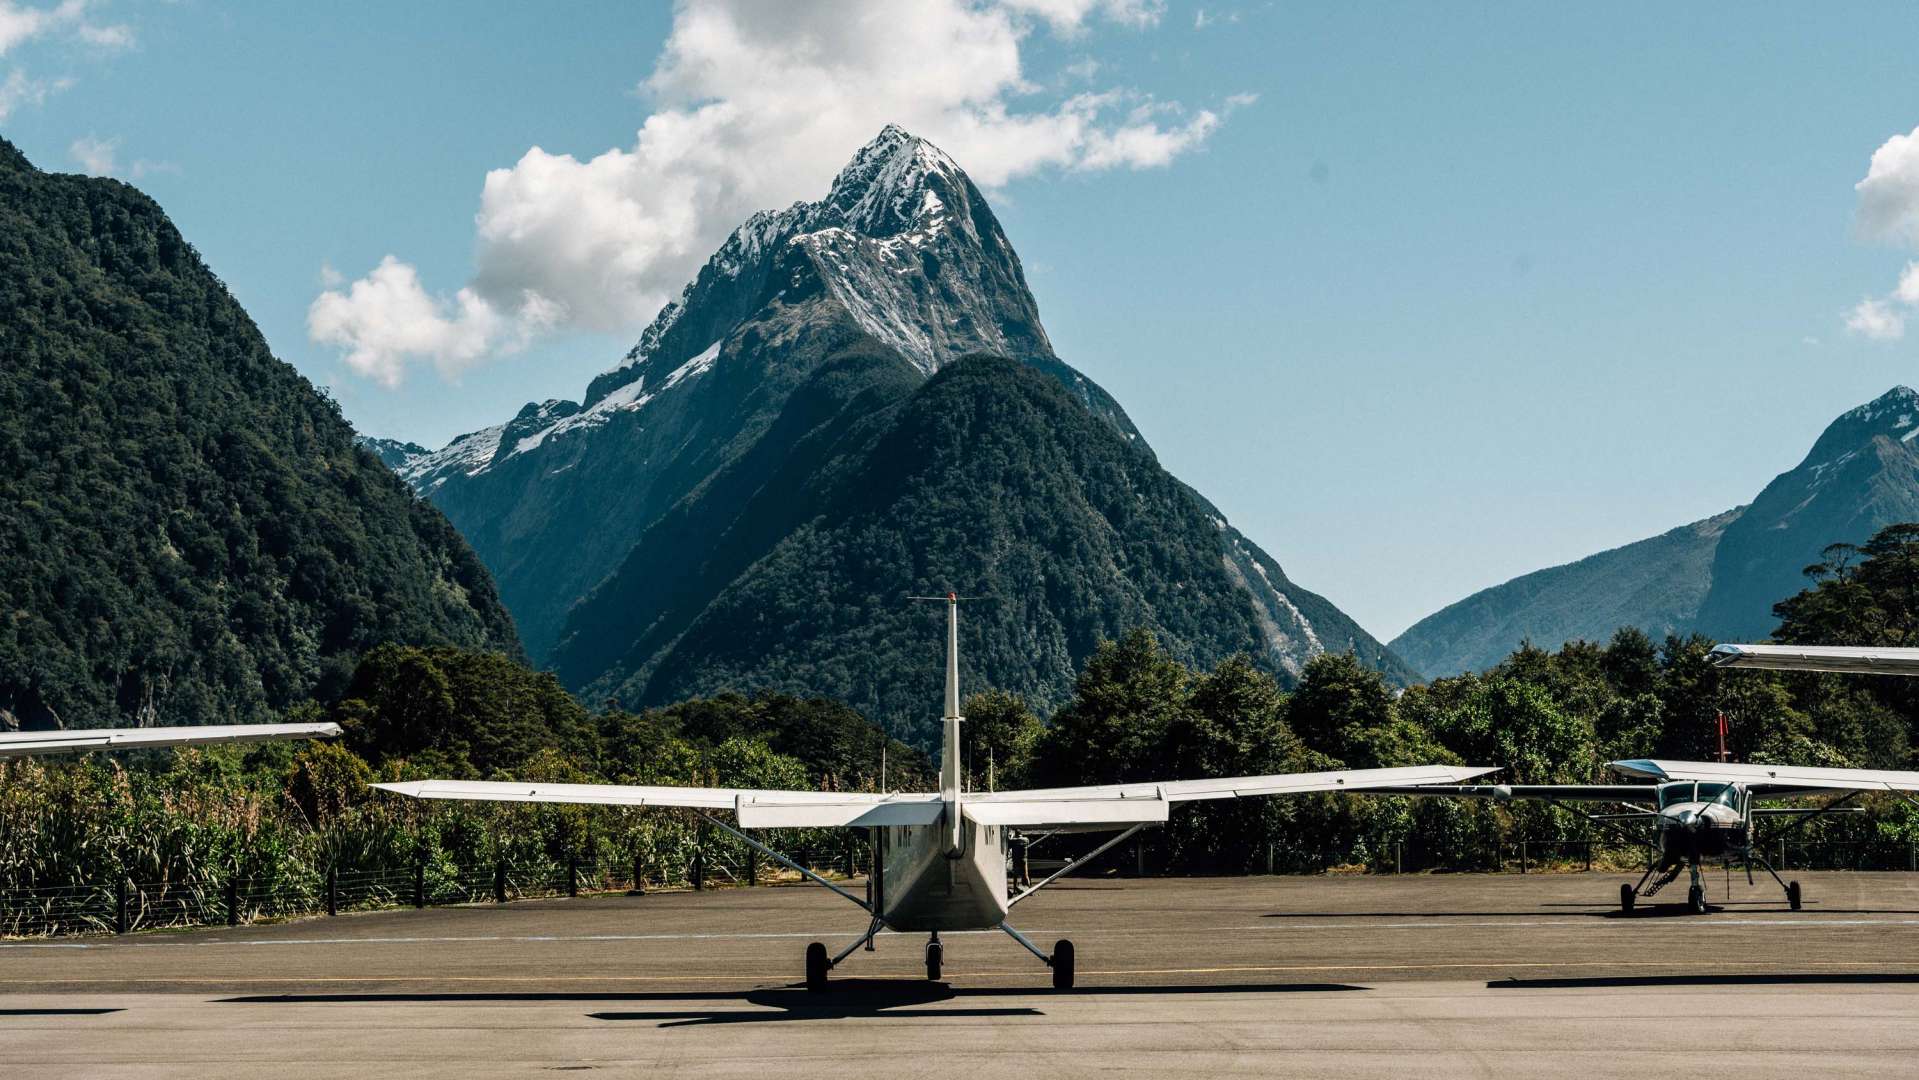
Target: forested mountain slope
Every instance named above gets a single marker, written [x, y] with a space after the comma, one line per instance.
[188, 530]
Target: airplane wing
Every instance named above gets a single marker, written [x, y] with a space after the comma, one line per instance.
[755, 808]
[1612, 793]
[28, 743]
[1851, 659]
[1124, 804]
[1776, 779]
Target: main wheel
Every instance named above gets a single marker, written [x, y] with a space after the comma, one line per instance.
[934, 954]
[1696, 899]
[1626, 898]
[1062, 965]
[816, 967]
[1792, 894]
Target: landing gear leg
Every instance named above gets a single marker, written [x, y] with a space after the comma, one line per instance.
[1061, 961]
[1793, 898]
[1696, 894]
[934, 955]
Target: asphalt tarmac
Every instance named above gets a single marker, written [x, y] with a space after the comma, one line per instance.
[1458, 975]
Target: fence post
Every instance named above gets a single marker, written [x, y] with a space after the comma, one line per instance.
[233, 901]
[120, 904]
[1589, 856]
[639, 876]
[1399, 857]
[499, 880]
[1912, 856]
[1269, 858]
[332, 890]
[1522, 856]
[572, 874]
[753, 866]
[1139, 856]
[419, 884]
[1782, 854]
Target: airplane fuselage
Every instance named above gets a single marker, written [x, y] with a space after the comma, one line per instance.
[924, 886]
[1702, 821]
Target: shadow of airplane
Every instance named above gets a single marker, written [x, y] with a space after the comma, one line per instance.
[1833, 978]
[845, 998]
[900, 998]
[57, 1012]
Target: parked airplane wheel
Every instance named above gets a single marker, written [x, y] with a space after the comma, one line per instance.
[1626, 898]
[816, 967]
[1792, 894]
[1062, 965]
[1696, 899]
[934, 954]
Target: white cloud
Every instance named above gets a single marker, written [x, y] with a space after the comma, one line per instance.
[1907, 291]
[756, 104]
[20, 23]
[1203, 18]
[1876, 319]
[95, 155]
[387, 316]
[1889, 195]
[1889, 212]
[18, 89]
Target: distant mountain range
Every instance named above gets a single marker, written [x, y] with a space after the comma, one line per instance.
[1718, 577]
[801, 441]
[187, 531]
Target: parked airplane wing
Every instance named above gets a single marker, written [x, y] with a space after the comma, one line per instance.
[1613, 793]
[1782, 779]
[1853, 659]
[757, 808]
[28, 743]
[1232, 787]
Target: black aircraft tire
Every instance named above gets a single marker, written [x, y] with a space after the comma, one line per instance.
[935, 953]
[816, 967]
[1696, 900]
[1792, 894]
[1062, 965]
[1626, 898]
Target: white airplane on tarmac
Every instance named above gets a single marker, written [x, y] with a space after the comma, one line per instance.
[1705, 809]
[14, 744]
[941, 856]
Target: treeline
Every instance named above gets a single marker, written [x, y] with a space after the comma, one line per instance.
[278, 815]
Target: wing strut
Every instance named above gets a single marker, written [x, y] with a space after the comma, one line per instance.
[1070, 867]
[786, 862]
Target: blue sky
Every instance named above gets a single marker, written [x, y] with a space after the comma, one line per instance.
[1423, 296]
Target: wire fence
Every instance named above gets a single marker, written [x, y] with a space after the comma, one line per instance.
[118, 905]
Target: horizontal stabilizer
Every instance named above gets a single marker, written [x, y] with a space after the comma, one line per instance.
[1067, 813]
[900, 810]
[27, 743]
[1844, 659]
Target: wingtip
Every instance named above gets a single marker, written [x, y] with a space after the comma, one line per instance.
[408, 788]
